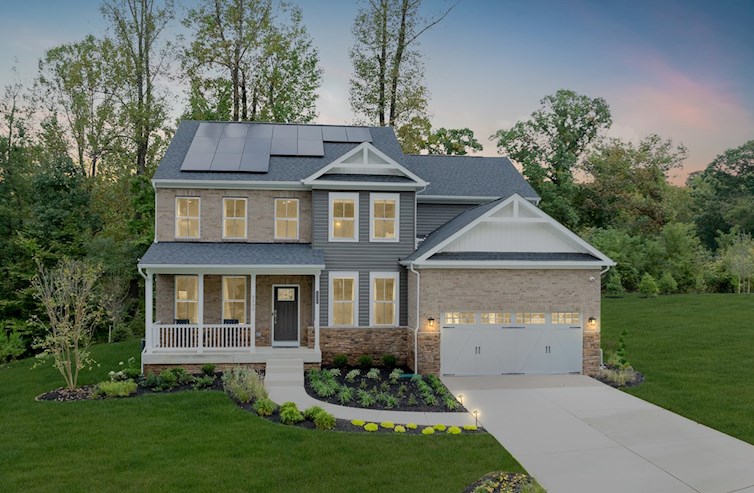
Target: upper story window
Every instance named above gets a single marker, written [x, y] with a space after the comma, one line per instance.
[234, 218]
[383, 216]
[286, 219]
[187, 217]
[186, 299]
[344, 216]
[234, 299]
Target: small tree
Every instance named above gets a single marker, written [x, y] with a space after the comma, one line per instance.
[614, 285]
[68, 294]
[648, 286]
[667, 284]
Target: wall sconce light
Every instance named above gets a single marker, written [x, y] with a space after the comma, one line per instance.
[476, 417]
[592, 322]
[460, 398]
[431, 321]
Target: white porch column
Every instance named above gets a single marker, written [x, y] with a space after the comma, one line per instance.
[253, 312]
[316, 312]
[200, 314]
[148, 320]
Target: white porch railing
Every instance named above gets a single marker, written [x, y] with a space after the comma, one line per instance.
[195, 338]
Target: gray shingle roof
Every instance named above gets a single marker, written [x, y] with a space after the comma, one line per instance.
[185, 253]
[529, 256]
[363, 178]
[460, 176]
[451, 227]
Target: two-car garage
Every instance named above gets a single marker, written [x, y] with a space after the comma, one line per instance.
[495, 343]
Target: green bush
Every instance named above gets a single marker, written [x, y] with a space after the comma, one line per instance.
[371, 427]
[454, 430]
[351, 375]
[203, 382]
[450, 402]
[387, 424]
[11, 345]
[412, 401]
[439, 427]
[667, 284]
[345, 395]
[182, 376]
[151, 380]
[470, 427]
[324, 388]
[365, 398]
[208, 369]
[289, 414]
[373, 374]
[357, 422]
[167, 380]
[121, 333]
[324, 421]
[428, 431]
[264, 407]
[412, 426]
[614, 285]
[244, 384]
[116, 389]
[312, 412]
[389, 361]
[390, 401]
[395, 375]
[399, 429]
[365, 361]
[340, 360]
[648, 287]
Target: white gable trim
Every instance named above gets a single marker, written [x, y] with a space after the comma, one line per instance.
[363, 149]
[518, 203]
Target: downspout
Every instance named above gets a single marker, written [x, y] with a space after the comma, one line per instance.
[141, 272]
[602, 354]
[416, 328]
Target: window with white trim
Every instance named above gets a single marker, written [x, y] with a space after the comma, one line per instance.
[532, 318]
[383, 216]
[344, 298]
[565, 318]
[460, 318]
[344, 216]
[496, 318]
[234, 218]
[187, 217]
[187, 298]
[383, 294]
[286, 219]
[234, 299]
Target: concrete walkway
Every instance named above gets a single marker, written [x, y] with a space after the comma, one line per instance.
[576, 435]
[284, 380]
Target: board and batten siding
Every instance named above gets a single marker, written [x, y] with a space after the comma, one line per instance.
[363, 256]
[429, 217]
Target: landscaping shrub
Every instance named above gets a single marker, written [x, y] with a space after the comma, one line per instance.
[667, 284]
[454, 430]
[340, 360]
[365, 398]
[365, 361]
[289, 414]
[389, 361]
[390, 401]
[411, 426]
[440, 427]
[244, 384]
[151, 380]
[208, 369]
[450, 402]
[334, 372]
[345, 395]
[648, 286]
[116, 388]
[469, 427]
[387, 424]
[373, 374]
[312, 412]
[351, 375]
[324, 421]
[428, 431]
[182, 376]
[167, 380]
[264, 407]
[429, 399]
[203, 382]
[11, 345]
[395, 375]
[129, 371]
[411, 401]
[399, 429]
[370, 427]
[357, 422]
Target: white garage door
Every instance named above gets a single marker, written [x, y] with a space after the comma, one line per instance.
[495, 343]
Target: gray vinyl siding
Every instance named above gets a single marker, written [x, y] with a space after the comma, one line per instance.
[363, 256]
[429, 217]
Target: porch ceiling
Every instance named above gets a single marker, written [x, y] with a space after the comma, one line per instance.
[232, 258]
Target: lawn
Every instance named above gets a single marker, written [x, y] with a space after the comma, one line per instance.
[696, 351]
[200, 441]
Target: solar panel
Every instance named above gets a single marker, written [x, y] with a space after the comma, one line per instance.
[234, 145]
[309, 132]
[358, 134]
[311, 148]
[255, 163]
[207, 129]
[203, 144]
[256, 153]
[284, 147]
[259, 131]
[197, 161]
[334, 134]
[235, 130]
[284, 132]
[226, 161]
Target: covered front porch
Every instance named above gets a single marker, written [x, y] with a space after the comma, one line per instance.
[231, 303]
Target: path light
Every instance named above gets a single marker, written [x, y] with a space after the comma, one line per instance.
[460, 398]
[476, 417]
[592, 322]
[431, 321]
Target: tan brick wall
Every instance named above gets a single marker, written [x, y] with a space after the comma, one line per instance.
[260, 213]
[264, 306]
[358, 341]
[510, 290]
[165, 301]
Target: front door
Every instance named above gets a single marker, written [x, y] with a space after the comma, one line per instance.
[285, 315]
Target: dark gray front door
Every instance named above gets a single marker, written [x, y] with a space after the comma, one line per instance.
[285, 315]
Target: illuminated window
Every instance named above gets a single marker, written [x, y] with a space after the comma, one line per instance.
[384, 294]
[565, 318]
[384, 217]
[186, 298]
[234, 298]
[286, 219]
[532, 318]
[496, 318]
[344, 220]
[234, 218]
[187, 217]
[460, 318]
[343, 298]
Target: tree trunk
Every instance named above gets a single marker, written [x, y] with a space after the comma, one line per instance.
[244, 100]
[383, 62]
[397, 62]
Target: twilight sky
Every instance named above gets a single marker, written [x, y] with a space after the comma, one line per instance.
[681, 68]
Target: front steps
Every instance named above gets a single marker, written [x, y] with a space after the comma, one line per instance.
[281, 372]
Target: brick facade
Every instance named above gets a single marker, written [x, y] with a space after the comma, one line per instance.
[260, 210]
[371, 341]
[510, 290]
[220, 367]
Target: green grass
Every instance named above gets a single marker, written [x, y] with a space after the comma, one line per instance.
[200, 441]
[696, 352]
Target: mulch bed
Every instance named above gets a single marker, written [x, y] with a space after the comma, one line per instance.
[637, 379]
[499, 482]
[391, 388]
[86, 392]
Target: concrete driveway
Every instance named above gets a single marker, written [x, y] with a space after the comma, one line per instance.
[576, 435]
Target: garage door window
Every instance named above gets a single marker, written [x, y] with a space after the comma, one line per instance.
[530, 318]
[460, 318]
[496, 318]
[565, 318]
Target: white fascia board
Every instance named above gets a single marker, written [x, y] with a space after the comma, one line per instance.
[363, 185]
[229, 184]
[508, 264]
[307, 269]
[453, 199]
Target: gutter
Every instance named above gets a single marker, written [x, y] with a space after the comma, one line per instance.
[416, 329]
